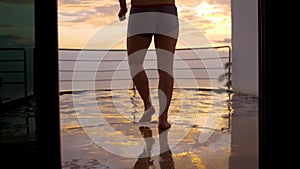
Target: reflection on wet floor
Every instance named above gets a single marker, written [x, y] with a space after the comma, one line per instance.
[165, 158]
[210, 129]
[17, 119]
[17, 132]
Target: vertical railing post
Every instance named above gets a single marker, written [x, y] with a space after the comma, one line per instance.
[229, 68]
[25, 73]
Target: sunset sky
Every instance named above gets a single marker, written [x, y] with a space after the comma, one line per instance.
[81, 20]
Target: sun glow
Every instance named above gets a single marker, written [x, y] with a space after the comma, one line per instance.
[205, 9]
[79, 20]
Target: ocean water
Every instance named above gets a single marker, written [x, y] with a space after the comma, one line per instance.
[108, 69]
[103, 69]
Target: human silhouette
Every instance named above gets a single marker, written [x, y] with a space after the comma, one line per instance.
[149, 19]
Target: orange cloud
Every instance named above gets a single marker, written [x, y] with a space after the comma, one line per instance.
[79, 19]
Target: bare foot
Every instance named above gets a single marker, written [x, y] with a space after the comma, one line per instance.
[164, 125]
[147, 116]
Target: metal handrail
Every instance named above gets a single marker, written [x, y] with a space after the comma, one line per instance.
[122, 50]
[24, 71]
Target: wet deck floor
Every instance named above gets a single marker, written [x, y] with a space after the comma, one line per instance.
[210, 130]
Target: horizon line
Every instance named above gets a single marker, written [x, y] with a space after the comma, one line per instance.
[195, 48]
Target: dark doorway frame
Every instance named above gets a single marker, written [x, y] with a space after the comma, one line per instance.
[264, 18]
[46, 83]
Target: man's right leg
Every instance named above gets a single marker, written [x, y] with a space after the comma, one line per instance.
[165, 49]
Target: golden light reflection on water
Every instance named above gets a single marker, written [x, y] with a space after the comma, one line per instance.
[191, 160]
[193, 114]
[197, 162]
[187, 107]
[182, 154]
[184, 106]
[185, 139]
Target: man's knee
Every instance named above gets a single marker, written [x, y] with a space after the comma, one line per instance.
[135, 68]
